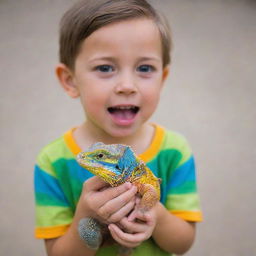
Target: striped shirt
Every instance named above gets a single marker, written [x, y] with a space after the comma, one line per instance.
[58, 181]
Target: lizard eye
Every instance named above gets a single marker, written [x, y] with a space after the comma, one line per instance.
[100, 155]
[82, 156]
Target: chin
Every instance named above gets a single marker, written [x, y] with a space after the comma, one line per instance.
[122, 132]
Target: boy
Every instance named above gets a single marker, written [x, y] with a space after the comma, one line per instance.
[114, 56]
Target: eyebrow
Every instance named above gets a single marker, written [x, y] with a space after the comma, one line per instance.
[102, 58]
[150, 58]
[106, 58]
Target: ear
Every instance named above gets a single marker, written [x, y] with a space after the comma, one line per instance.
[165, 73]
[66, 79]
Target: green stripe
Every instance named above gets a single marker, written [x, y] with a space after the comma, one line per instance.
[52, 153]
[187, 187]
[44, 199]
[165, 163]
[187, 202]
[47, 216]
[177, 142]
[44, 163]
[71, 179]
[148, 248]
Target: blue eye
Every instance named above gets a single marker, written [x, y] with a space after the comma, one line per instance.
[105, 68]
[145, 68]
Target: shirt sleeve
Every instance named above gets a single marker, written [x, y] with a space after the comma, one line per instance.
[182, 196]
[53, 212]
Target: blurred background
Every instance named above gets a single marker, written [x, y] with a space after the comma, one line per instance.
[209, 97]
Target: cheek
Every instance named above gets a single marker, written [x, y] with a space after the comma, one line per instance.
[150, 102]
[93, 94]
[151, 96]
[92, 102]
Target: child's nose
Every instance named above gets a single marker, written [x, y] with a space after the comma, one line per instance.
[126, 85]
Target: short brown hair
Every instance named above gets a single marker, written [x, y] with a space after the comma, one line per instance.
[86, 16]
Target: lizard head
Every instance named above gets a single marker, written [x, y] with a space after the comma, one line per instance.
[109, 162]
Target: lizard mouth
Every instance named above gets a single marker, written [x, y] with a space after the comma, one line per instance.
[123, 112]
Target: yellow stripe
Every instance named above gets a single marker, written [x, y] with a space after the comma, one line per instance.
[154, 148]
[189, 215]
[51, 232]
[70, 141]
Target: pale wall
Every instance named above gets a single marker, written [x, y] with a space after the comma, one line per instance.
[209, 97]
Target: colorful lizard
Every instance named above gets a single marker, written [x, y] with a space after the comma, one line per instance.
[116, 164]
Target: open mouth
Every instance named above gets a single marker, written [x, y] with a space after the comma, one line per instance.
[124, 113]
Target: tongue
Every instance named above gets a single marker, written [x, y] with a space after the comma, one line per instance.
[123, 114]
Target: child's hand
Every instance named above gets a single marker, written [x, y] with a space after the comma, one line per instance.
[133, 233]
[105, 203]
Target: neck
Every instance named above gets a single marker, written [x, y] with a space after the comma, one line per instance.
[85, 136]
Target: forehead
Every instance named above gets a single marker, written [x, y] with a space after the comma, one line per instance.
[137, 36]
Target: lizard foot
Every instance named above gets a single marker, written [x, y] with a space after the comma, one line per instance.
[89, 230]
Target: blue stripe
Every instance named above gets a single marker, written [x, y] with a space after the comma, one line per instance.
[111, 165]
[75, 171]
[184, 173]
[48, 185]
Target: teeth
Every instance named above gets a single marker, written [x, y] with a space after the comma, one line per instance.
[125, 107]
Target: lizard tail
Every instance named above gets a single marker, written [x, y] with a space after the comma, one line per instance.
[89, 230]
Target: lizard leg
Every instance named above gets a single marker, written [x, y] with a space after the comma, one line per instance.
[89, 230]
[149, 197]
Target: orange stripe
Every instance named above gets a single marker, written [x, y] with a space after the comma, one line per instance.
[70, 141]
[189, 215]
[154, 148]
[51, 232]
[151, 151]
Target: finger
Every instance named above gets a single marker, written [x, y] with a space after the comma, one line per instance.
[123, 198]
[132, 216]
[122, 238]
[114, 204]
[121, 213]
[127, 238]
[103, 197]
[133, 226]
[113, 192]
[138, 199]
[145, 217]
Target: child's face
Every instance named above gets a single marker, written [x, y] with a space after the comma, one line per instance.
[119, 75]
